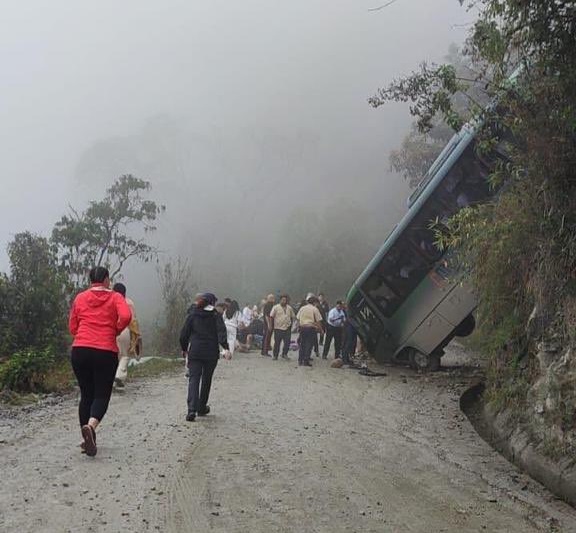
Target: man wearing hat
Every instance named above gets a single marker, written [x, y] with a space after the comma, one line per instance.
[310, 323]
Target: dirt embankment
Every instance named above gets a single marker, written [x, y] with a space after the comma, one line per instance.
[515, 441]
[285, 449]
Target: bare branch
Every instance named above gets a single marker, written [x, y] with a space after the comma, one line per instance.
[389, 3]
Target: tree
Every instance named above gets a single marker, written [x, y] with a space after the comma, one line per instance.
[178, 288]
[7, 319]
[417, 153]
[101, 236]
[429, 135]
[33, 306]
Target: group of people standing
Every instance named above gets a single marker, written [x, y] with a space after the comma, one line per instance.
[106, 334]
[316, 323]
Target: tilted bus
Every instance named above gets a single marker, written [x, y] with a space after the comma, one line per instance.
[407, 304]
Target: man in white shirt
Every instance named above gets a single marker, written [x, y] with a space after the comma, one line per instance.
[334, 328]
[247, 315]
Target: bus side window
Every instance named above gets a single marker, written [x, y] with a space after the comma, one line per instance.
[408, 269]
[466, 183]
[377, 289]
[475, 186]
[421, 235]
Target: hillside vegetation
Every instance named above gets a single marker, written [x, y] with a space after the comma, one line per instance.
[520, 250]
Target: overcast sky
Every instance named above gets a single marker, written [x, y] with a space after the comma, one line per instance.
[74, 73]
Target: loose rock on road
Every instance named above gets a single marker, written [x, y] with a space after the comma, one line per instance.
[285, 449]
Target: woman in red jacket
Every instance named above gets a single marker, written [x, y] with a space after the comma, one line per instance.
[97, 317]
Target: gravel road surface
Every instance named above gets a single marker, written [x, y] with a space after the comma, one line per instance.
[284, 449]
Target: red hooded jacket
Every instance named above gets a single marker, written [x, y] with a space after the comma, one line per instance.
[97, 317]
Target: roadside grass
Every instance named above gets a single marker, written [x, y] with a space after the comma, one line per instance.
[59, 379]
[155, 367]
[18, 399]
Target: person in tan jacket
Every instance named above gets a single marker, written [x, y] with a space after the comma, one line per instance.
[129, 341]
[309, 324]
[283, 317]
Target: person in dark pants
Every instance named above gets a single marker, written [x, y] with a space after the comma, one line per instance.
[334, 329]
[350, 344]
[98, 315]
[310, 323]
[202, 334]
[268, 326]
[282, 316]
[324, 307]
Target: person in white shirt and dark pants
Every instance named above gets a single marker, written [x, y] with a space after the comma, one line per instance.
[335, 327]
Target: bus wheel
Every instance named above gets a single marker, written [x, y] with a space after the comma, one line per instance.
[466, 327]
[423, 362]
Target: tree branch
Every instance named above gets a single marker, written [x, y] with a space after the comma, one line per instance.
[389, 3]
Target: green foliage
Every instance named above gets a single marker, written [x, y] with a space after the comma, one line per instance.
[100, 235]
[7, 320]
[430, 134]
[520, 251]
[27, 370]
[508, 382]
[430, 91]
[33, 306]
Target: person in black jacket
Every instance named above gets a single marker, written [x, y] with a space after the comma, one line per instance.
[202, 335]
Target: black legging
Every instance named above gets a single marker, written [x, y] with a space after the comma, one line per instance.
[95, 371]
[200, 373]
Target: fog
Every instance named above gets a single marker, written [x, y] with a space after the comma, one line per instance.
[249, 118]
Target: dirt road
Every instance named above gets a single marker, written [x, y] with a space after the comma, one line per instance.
[286, 449]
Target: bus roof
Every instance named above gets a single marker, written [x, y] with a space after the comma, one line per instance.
[427, 186]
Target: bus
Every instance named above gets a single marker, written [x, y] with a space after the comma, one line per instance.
[408, 303]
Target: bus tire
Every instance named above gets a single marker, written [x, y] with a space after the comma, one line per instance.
[423, 362]
[466, 327]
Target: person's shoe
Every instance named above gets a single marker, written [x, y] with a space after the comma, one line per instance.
[83, 446]
[275, 358]
[204, 412]
[324, 357]
[89, 436]
[119, 383]
[190, 417]
[307, 363]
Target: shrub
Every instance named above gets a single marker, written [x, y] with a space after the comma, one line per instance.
[27, 370]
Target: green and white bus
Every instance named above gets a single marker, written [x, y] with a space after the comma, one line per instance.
[407, 304]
